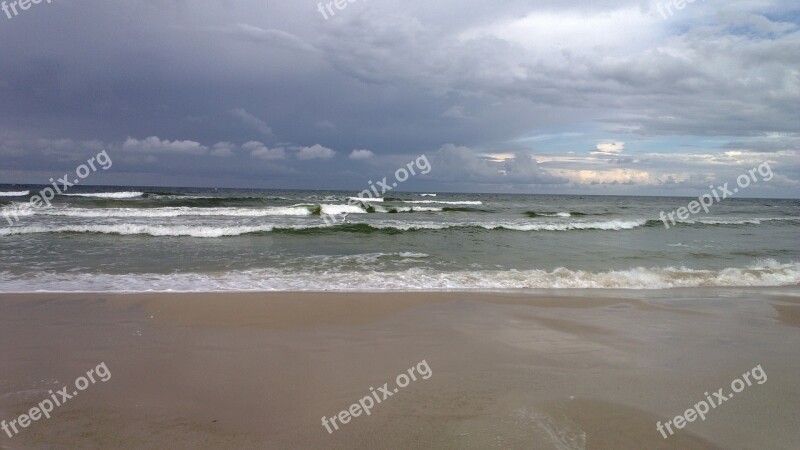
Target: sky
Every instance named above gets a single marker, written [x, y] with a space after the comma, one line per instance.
[582, 97]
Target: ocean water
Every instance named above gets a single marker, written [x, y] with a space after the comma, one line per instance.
[135, 239]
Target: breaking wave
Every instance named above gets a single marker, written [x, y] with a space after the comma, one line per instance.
[762, 273]
[129, 194]
[14, 193]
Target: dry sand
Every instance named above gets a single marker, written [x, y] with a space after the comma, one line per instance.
[559, 369]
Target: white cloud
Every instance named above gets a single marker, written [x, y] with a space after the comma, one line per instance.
[315, 152]
[361, 154]
[251, 121]
[613, 176]
[609, 148]
[260, 151]
[223, 149]
[153, 144]
[269, 36]
[498, 157]
[578, 31]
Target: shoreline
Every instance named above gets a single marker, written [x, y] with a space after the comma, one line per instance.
[516, 291]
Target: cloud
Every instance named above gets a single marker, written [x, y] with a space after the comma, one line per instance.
[260, 151]
[256, 34]
[770, 143]
[251, 121]
[462, 165]
[314, 152]
[454, 112]
[153, 144]
[361, 154]
[498, 157]
[609, 148]
[223, 149]
[613, 176]
[511, 79]
[66, 148]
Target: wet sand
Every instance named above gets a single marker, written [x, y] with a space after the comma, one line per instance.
[549, 369]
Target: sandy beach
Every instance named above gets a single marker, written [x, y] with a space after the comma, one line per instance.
[567, 369]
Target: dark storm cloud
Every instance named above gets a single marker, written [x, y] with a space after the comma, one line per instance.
[272, 94]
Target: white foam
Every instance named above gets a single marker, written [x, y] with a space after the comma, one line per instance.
[14, 193]
[612, 225]
[18, 210]
[558, 214]
[764, 273]
[413, 255]
[403, 209]
[236, 230]
[152, 230]
[365, 199]
[463, 202]
[738, 221]
[175, 212]
[602, 225]
[332, 210]
[129, 194]
[427, 195]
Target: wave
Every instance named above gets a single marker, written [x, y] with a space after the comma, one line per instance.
[463, 209]
[203, 208]
[14, 193]
[421, 209]
[560, 214]
[721, 222]
[759, 274]
[407, 209]
[157, 194]
[333, 210]
[547, 214]
[198, 231]
[129, 194]
[464, 202]
[609, 225]
[427, 195]
[171, 201]
[210, 231]
[18, 209]
[365, 199]
[176, 212]
[181, 195]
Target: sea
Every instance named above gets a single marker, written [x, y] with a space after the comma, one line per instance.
[156, 239]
